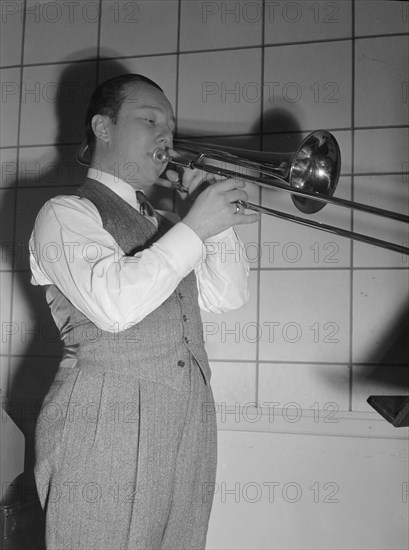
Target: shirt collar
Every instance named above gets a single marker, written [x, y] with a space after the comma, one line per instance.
[115, 184]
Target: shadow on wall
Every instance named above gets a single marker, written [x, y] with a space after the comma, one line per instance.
[388, 366]
[34, 371]
[280, 121]
[279, 125]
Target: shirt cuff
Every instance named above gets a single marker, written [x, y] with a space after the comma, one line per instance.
[229, 232]
[185, 246]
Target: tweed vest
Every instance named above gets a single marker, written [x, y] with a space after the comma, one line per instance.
[157, 348]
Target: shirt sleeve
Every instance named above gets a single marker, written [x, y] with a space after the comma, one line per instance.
[70, 248]
[223, 275]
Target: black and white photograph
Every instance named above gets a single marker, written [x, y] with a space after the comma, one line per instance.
[204, 212]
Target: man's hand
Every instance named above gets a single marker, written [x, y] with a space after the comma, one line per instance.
[191, 182]
[215, 209]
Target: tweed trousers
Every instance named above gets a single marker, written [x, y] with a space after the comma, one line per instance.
[126, 463]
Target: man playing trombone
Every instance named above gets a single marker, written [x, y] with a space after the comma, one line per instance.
[124, 465]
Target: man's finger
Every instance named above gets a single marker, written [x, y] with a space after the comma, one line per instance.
[172, 175]
[246, 218]
[232, 183]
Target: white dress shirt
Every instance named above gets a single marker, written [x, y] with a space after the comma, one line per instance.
[70, 248]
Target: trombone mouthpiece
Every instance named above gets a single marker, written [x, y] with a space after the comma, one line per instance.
[160, 156]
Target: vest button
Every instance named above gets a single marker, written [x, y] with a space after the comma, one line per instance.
[180, 295]
[181, 363]
[184, 318]
[187, 340]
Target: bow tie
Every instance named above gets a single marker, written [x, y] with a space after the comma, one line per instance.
[146, 208]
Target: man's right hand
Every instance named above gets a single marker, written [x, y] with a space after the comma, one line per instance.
[215, 209]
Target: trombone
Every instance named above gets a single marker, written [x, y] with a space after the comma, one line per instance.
[310, 175]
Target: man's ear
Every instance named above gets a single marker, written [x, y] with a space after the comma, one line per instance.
[100, 126]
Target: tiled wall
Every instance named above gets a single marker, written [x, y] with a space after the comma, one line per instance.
[324, 313]
[327, 322]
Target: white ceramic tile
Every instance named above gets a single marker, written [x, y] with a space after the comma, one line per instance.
[233, 335]
[233, 384]
[6, 281]
[160, 69]
[7, 221]
[36, 333]
[9, 106]
[307, 21]
[11, 28]
[286, 244]
[54, 102]
[49, 166]
[377, 380]
[381, 81]
[304, 316]
[8, 167]
[289, 245]
[211, 25]
[380, 313]
[56, 31]
[219, 93]
[380, 17]
[316, 387]
[381, 150]
[139, 28]
[392, 194]
[310, 83]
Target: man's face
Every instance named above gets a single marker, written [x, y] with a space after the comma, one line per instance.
[145, 122]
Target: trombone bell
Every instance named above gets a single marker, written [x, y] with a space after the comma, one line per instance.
[315, 168]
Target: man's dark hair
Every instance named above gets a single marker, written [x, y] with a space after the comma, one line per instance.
[108, 98]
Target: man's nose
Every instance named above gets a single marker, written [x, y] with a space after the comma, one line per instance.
[165, 138]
